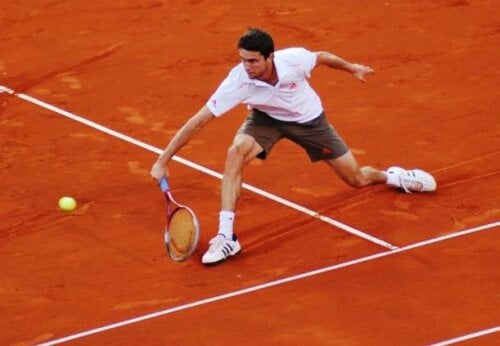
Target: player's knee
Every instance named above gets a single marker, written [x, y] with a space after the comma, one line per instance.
[234, 152]
[240, 148]
[236, 156]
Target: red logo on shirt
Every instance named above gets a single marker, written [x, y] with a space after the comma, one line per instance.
[293, 85]
[326, 151]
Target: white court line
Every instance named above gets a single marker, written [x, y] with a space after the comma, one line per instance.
[468, 336]
[200, 168]
[268, 285]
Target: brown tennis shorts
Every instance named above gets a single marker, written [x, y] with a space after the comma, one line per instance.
[317, 137]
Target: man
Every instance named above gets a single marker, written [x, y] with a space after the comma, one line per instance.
[283, 105]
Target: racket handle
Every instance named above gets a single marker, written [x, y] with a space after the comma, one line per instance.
[164, 184]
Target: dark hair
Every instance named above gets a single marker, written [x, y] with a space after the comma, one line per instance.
[256, 40]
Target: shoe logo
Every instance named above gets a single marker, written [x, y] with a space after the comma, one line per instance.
[226, 250]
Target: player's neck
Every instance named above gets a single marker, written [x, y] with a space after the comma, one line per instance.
[270, 76]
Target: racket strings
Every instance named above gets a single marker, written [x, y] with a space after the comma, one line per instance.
[182, 230]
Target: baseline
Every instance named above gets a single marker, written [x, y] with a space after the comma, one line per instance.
[269, 284]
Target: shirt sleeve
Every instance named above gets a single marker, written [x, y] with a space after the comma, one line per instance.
[228, 95]
[309, 61]
[305, 59]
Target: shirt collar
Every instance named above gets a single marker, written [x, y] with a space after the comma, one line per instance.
[259, 83]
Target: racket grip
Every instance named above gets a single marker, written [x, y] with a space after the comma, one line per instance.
[164, 184]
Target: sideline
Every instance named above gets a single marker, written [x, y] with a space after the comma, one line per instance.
[272, 284]
[200, 168]
[468, 336]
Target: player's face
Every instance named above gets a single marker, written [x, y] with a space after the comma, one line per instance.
[254, 63]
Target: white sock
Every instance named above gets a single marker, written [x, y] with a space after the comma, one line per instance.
[393, 179]
[226, 221]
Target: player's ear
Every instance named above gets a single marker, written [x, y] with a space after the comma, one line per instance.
[271, 56]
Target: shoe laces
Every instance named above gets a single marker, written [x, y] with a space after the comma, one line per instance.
[217, 242]
[410, 182]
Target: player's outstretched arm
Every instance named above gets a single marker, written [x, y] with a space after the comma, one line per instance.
[181, 138]
[333, 61]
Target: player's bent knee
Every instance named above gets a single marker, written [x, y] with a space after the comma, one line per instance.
[236, 155]
[241, 147]
[236, 151]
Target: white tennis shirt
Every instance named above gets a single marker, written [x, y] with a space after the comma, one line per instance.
[291, 99]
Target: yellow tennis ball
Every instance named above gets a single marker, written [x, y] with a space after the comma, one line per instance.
[67, 203]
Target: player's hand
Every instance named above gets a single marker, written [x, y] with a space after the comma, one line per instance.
[360, 71]
[158, 171]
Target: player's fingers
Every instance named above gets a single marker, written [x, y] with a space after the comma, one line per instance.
[360, 77]
[366, 69]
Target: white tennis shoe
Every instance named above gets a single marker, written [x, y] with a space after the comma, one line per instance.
[220, 248]
[415, 180]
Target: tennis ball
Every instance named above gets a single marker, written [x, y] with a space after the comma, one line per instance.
[67, 203]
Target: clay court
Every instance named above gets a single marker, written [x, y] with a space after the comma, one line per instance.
[136, 70]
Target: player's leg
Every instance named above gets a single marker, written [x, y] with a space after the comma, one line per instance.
[225, 243]
[322, 142]
[254, 139]
[414, 180]
[348, 169]
[242, 151]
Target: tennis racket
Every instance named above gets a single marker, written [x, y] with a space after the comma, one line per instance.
[182, 231]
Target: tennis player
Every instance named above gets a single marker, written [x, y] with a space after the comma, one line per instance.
[282, 104]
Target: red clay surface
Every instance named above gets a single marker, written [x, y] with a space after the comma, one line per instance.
[142, 68]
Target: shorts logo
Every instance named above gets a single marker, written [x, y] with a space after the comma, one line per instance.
[326, 151]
